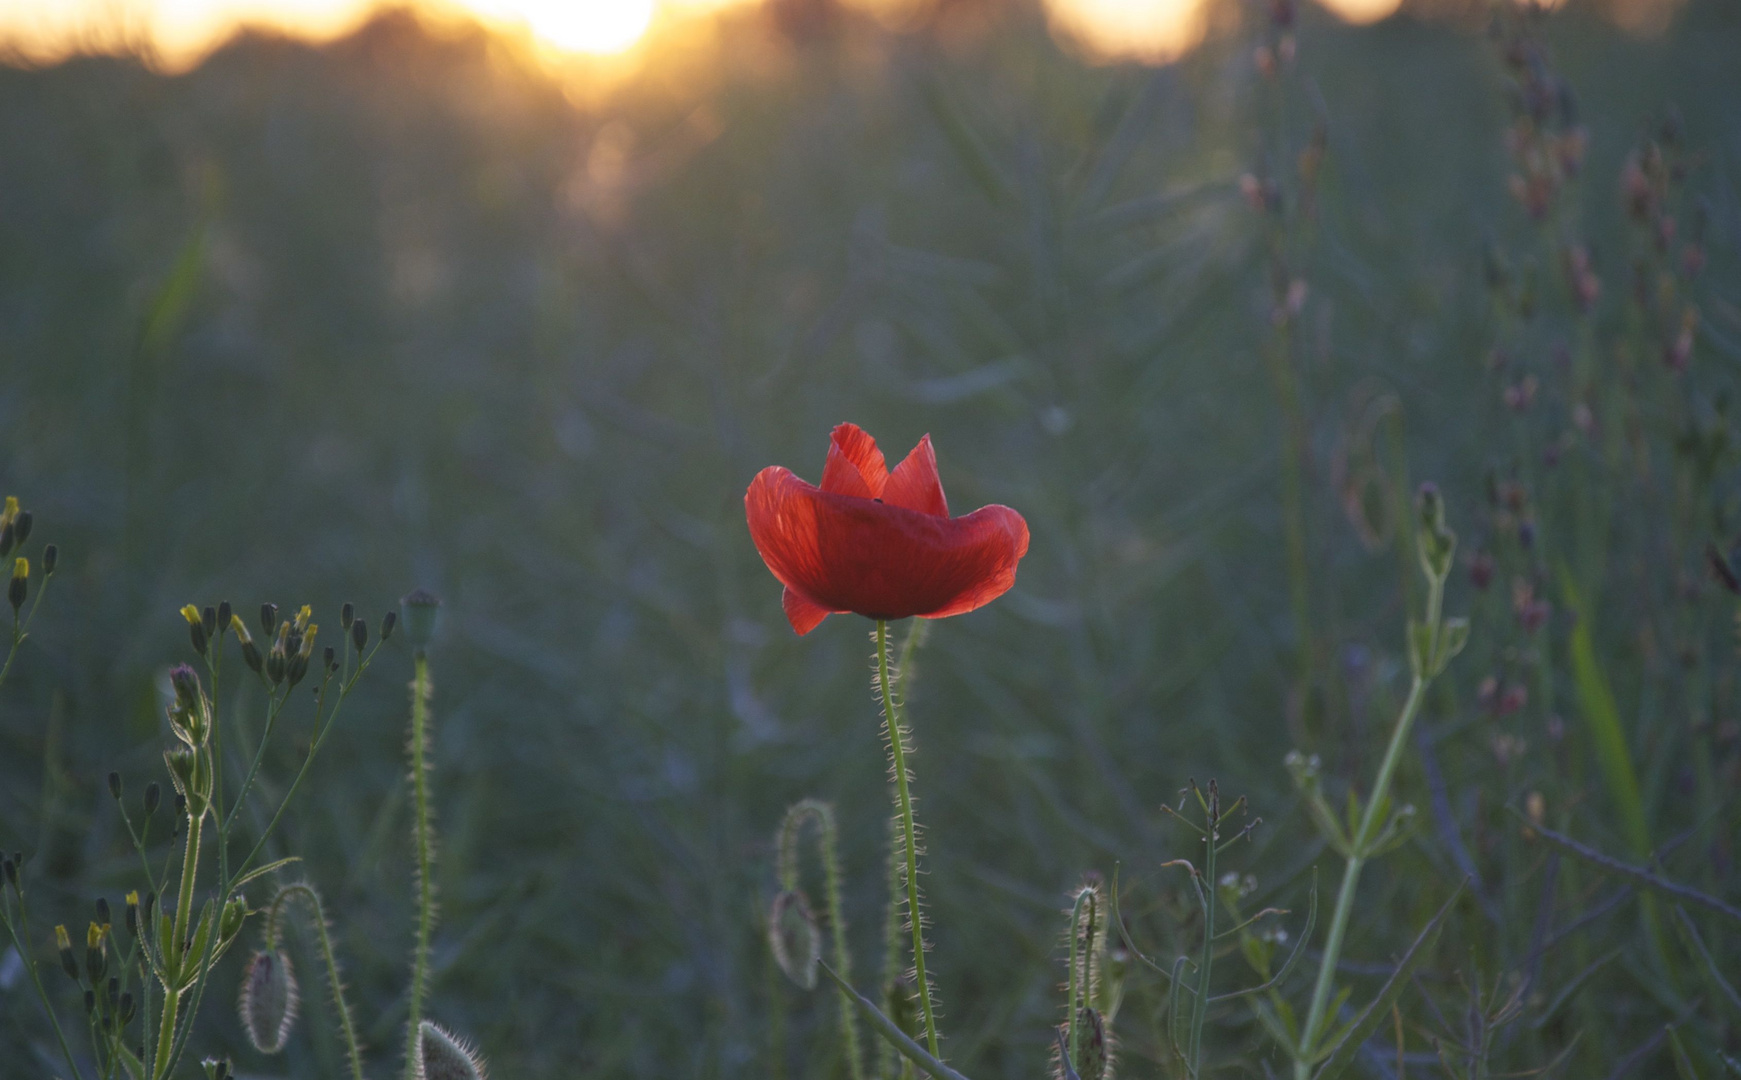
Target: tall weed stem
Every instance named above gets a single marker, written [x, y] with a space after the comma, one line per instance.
[425, 857]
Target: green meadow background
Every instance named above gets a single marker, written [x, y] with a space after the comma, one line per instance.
[326, 323]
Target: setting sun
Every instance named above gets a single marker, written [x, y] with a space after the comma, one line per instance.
[582, 26]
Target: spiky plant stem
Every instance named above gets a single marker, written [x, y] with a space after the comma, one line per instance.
[425, 858]
[828, 847]
[898, 752]
[336, 984]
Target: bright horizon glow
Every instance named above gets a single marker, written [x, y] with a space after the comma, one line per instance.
[180, 33]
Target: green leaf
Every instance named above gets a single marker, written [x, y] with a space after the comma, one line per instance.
[1683, 1063]
[1453, 635]
[888, 1030]
[264, 870]
[1367, 1022]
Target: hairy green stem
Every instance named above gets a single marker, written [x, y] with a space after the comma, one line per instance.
[828, 843]
[897, 738]
[183, 909]
[425, 857]
[346, 1024]
[1200, 1007]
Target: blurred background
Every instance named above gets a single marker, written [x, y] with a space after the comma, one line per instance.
[512, 304]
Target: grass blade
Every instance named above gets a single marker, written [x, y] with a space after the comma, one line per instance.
[890, 1031]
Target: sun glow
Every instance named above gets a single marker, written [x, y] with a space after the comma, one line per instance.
[598, 27]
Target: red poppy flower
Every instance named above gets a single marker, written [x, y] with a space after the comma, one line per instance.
[879, 543]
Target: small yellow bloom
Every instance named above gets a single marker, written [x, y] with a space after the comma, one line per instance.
[191, 614]
[61, 941]
[303, 616]
[241, 630]
[21, 568]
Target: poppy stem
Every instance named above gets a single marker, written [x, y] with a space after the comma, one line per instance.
[897, 739]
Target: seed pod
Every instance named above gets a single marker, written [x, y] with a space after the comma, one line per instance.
[794, 937]
[441, 1056]
[268, 1001]
[422, 610]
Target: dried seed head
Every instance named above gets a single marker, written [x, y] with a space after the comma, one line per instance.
[441, 1056]
[795, 938]
[268, 1001]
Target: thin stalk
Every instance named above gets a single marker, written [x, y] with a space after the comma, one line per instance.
[1357, 861]
[1074, 1035]
[1200, 1007]
[346, 1024]
[896, 739]
[425, 857]
[36, 981]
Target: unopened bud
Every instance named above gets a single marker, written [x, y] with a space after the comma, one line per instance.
[132, 915]
[359, 634]
[347, 615]
[795, 938]
[153, 795]
[50, 559]
[388, 622]
[103, 911]
[216, 1068]
[64, 944]
[125, 1008]
[268, 1001]
[330, 657]
[19, 586]
[208, 620]
[268, 618]
[114, 785]
[8, 539]
[96, 953]
[21, 527]
[441, 1056]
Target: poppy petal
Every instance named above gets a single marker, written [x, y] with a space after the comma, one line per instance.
[842, 553]
[804, 614]
[915, 484]
[992, 541]
[855, 465]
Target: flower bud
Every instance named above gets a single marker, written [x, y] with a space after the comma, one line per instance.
[347, 615]
[208, 620]
[153, 795]
[9, 871]
[268, 618]
[90, 1001]
[440, 1056]
[268, 1001]
[196, 630]
[19, 585]
[1434, 541]
[795, 938]
[96, 953]
[132, 915]
[329, 657]
[190, 716]
[50, 559]
[192, 776]
[8, 538]
[422, 610]
[68, 962]
[21, 527]
[216, 1068]
[103, 910]
[115, 785]
[359, 634]
[124, 1008]
[388, 621]
[230, 920]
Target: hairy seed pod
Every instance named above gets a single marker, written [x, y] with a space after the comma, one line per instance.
[268, 1000]
[441, 1056]
[795, 938]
